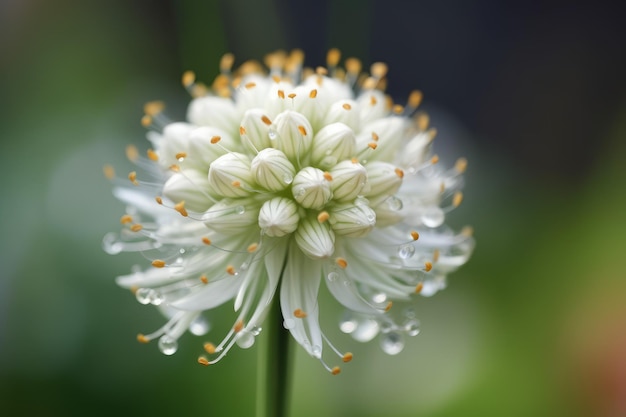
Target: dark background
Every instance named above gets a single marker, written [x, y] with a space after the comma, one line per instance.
[533, 93]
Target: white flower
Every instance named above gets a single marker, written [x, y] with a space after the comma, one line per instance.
[280, 182]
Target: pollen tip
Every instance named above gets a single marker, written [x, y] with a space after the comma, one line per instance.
[253, 247]
[379, 69]
[432, 132]
[152, 155]
[136, 227]
[336, 370]
[346, 106]
[323, 216]
[343, 264]
[180, 207]
[266, 120]
[292, 95]
[415, 235]
[457, 199]
[230, 269]
[415, 98]
[109, 172]
[461, 165]
[372, 145]
[126, 218]
[328, 176]
[216, 138]
[203, 361]
[158, 263]
[227, 61]
[132, 176]
[313, 93]
[242, 131]
[174, 168]
[206, 240]
[333, 56]
[353, 65]
[250, 85]
[434, 159]
[236, 183]
[347, 357]
[302, 130]
[204, 279]
[276, 79]
[467, 231]
[298, 313]
[209, 348]
[281, 93]
[152, 108]
[132, 153]
[141, 338]
[188, 78]
[158, 199]
[181, 155]
[397, 109]
[418, 288]
[354, 160]
[399, 172]
[146, 120]
[321, 71]
[133, 289]
[375, 136]
[388, 306]
[238, 326]
[435, 255]
[428, 266]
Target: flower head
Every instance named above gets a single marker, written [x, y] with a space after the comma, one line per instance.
[278, 182]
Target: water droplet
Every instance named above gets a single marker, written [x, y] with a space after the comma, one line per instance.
[245, 339]
[143, 295]
[199, 326]
[316, 350]
[155, 297]
[366, 330]
[168, 345]
[240, 209]
[329, 161]
[182, 250]
[288, 178]
[394, 203]
[332, 276]
[244, 266]
[289, 324]
[379, 298]
[361, 201]
[301, 191]
[387, 326]
[433, 217]
[406, 251]
[348, 323]
[255, 330]
[412, 327]
[392, 343]
[371, 217]
[409, 313]
[272, 133]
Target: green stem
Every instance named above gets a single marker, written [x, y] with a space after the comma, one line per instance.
[273, 363]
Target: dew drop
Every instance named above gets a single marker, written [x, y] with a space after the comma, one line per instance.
[332, 276]
[316, 350]
[379, 298]
[348, 323]
[182, 250]
[155, 297]
[366, 330]
[392, 343]
[245, 339]
[300, 192]
[371, 217]
[244, 266]
[288, 178]
[255, 330]
[143, 295]
[289, 324]
[433, 217]
[199, 326]
[240, 209]
[406, 251]
[272, 133]
[412, 327]
[168, 345]
[394, 203]
[387, 326]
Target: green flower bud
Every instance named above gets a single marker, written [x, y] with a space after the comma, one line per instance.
[311, 188]
[272, 170]
[315, 239]
[278, 217]
[333, 143]
[230, 176]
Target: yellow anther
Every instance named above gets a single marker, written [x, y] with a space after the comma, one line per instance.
[372, 145]
[343, 264]
[434, 159]
[313, 93]
[298, 313]
[230, 269]
[332, 57]
[180, 207]
[253, 247]
[435, 255]
[347, 357]
[216, 138]
[199, 90]
[181, 155]
[132, 153]
[415, 235]
[209, 348]
[152, 155]
[467, 231]
[353, 65]
[189, 77]
[206, 240]
[302, 130]
[281, 94]
[126, 218]
[146, 120]
[266, 120]
[132, 176]
[158, 263]
[346, 106]
[276, 79]
[174, 168]
[432, 132]
[442, 188]
[152, 108]
[373, 100]
[323, 216]
[141, 338]
[236, 183]
[133, 289]
[242, 130]
[415, 98]
[327, 176]
[336, 370]
[204, 279]
[158, 199]
[227, 61]
[292, 95]
[378, 69]
[238, 326]
[418, 288]
[388, 306]
[354, 160]
[422, 120]
[399, 172]
[428, 266]
[375, 136]
[457, 199]
[203, 361]
[250, 85]
[136, 227]
[397, 109]
[321, 71]
[461, 165]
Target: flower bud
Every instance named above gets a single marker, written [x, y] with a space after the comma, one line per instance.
[203, 148]
[372, 105]
[390, 131]
[278, 217]
[252, 92]
[192, 187]
[311, 188]
[255, 130]
[333, 143]
[344, 111]
[214, 111]
[230, 176]
[349, 180]
[175, 139]
[389, 211]
[315, 239]
[352, 220]
[232, 215]
[272, 170]
[415, 151]
[294, 136]
[383, 178]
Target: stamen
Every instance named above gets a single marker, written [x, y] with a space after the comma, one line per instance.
[434, 159]
[333, 57]
[354, 160]
[181, 155]
[347, 357]
[336, 370]
[343, 264]
[346, 106]
[372, 145]
[204, 279]
[292, 95]
[313, 93]
[174, 168]
[126, 218]
[276, 79]
[141, 338]
[327, 176]
[281, 94]
[388, 306]
[266, 120]
[302, 130]
[238, 326]
[253, 247]
[428, 266]
[203, 361]
[321, 71]
[432, 132]
[415, 235]
[418, 288]
[146, 120]
[236, 184]
[298, 313]
[216, 139]
[435, 255]
[415, 98]
[378, 69]
[467, 231]
[323, 216]
[132, 153]
[399, 172]
[230, 269]
[132, 176]
[152, 108]
[353, 65]
[180, 207]
[206, 240]
[189, 77]
[227, 61]
[398, 109]
[158, 263]
[209, 348]
[461, 165]
[152, 155]
[159, 200]
[422, 120]
[136, 227]
[375, 136]
[373, 100]
[250, 85]
[457, 199]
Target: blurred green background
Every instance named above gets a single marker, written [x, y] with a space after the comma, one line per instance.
[533, 94]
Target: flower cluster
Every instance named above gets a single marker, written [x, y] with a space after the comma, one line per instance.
[281, 181]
